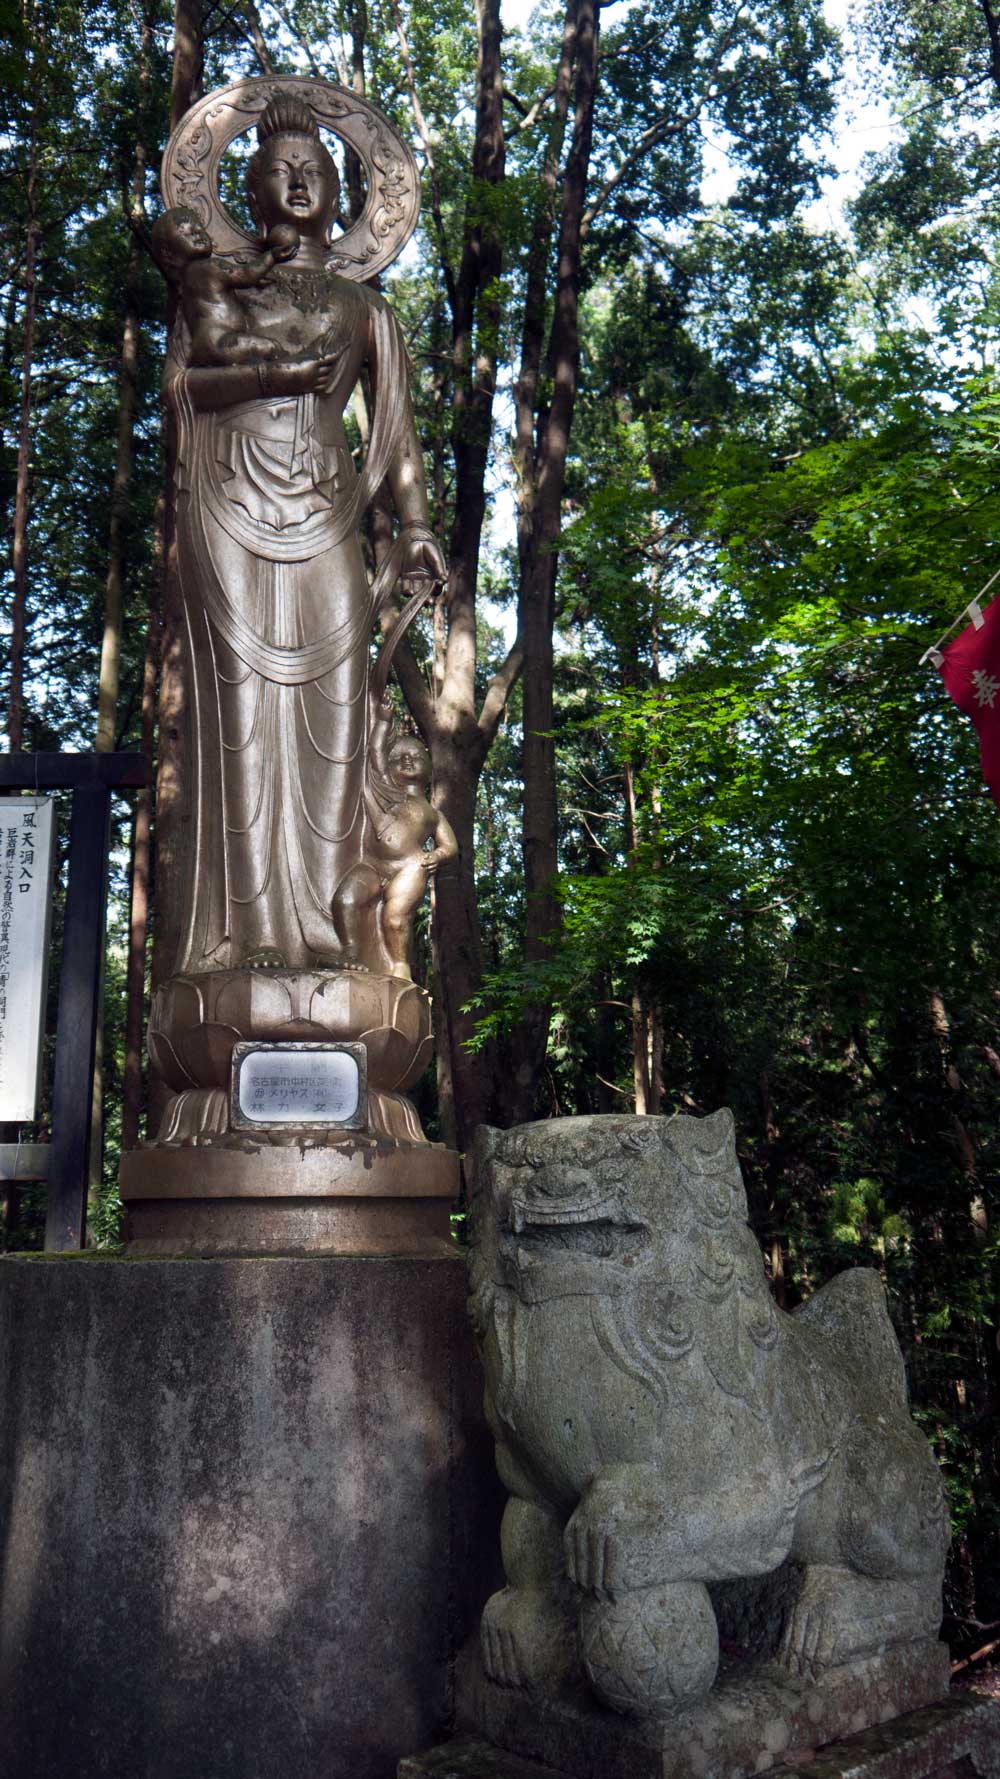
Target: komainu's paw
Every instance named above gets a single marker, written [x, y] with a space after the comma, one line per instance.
[612, 1542]
[527, 1641]
[811, 1634]
[840, 1615]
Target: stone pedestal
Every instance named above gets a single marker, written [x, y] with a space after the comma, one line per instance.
[242, 1510]
[958, 1738]
[754, 1713]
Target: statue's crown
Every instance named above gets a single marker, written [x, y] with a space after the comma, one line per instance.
[286, 115]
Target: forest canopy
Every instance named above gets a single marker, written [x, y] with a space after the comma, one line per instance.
[713, 458]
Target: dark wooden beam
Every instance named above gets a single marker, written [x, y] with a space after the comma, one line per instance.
[64, 772]
[80, 981]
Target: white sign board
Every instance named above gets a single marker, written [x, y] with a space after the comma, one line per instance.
[27, 830]
[303, 1085]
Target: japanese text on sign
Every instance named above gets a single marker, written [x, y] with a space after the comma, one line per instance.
[288, 1086]
[26, 832]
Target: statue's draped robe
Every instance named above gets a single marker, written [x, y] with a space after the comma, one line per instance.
[278, 614]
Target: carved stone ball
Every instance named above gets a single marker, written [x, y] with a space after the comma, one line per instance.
[651, 1652]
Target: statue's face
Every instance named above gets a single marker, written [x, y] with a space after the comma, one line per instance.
[295, 181]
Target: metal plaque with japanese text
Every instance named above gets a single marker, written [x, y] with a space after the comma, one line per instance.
[27, 829]
[308, 1086]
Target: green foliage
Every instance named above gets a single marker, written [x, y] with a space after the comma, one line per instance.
[777, 855]
[777, 864]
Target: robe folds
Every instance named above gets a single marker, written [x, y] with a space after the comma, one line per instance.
[278, 616]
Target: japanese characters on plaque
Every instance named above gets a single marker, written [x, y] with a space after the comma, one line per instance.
[304, 1084]
[26, 840]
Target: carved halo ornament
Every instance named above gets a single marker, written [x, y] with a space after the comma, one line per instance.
[190, 171]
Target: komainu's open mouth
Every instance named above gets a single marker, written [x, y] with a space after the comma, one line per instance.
[600, 1229]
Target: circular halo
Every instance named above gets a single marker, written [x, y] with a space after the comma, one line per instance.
[190, 171]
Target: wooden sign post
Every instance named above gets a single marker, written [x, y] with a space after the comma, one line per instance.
[26, 840]
[92, 778]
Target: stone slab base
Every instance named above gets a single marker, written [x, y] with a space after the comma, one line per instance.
[243, 1506]
[959, 1738]
[743, 1727]
[466, 1757]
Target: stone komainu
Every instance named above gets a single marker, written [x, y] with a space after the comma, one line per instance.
[677, 1451]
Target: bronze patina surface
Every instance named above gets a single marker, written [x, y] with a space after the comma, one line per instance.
[282, 1224]
[310, 837]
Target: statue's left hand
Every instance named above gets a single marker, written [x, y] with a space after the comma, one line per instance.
[422, 560]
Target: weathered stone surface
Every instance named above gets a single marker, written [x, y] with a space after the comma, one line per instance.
[753, 1714]
[959, 1738]
[361, 1197]
[681, 1458]
[468, 1757]
[243, 1506]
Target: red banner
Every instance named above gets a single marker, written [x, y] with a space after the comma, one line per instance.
[970, 668]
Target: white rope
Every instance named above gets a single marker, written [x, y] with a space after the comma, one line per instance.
[973, 610]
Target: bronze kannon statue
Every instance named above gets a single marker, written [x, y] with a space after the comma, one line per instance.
[311, 837]
[278, 606]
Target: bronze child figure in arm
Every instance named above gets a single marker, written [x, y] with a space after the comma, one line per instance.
[218, 326]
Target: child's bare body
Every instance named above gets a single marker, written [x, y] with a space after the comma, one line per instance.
[397, 845]
[375, 902]
[218, 325]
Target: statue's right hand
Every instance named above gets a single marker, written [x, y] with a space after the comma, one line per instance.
[294, 379]
[308, 376]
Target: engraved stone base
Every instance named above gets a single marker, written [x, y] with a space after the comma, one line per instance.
[359, 1197]
[959, 1738]
[745, 1725]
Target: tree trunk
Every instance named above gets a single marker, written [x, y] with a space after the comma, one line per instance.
[640, 1054]
[141, 862]
[19, 550]
[172, 775]
[128, 408]
[538, 541]
[604, 1050]
[458, 737]
[656, 1049]
[189, 58]
[114, 586]
[352, 165]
